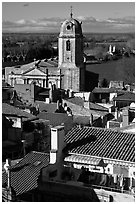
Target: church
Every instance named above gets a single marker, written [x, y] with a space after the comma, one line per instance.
[68, 72]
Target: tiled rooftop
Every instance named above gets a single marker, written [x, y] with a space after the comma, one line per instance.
[128, 96]
[102, 143]
[76, 100]
[55, 118]
[47, 107]
[11, 110]
[93, 106]
[49, 62]
[95, 109]
[106, 90]
[24, 174]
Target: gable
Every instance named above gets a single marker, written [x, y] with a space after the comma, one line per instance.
[34, 72]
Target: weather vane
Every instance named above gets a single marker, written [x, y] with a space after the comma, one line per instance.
[71, 14]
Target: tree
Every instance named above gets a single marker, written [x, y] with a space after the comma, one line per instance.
[104, 83]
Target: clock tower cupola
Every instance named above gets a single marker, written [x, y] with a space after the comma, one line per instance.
[71, 64]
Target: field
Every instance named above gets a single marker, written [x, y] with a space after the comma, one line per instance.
[122, 69]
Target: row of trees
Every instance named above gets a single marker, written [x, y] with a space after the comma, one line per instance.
[28, 53]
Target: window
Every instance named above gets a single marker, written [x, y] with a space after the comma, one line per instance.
[68, 45]
[68, 27]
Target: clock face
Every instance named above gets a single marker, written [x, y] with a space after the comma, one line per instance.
[68, 57]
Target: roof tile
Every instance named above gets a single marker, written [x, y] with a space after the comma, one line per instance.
[24, 174]
[101, 142]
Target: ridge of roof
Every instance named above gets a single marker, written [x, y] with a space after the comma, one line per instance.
[12, 110]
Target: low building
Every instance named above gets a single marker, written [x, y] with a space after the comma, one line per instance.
[12, 127]
[104, 152]
[105, 95]
[125, 99]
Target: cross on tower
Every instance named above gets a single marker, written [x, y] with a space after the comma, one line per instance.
[71, 14]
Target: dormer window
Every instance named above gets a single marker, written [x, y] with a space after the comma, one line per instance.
[68, 45]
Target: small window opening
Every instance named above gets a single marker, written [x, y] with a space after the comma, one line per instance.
[68, 45]
[68, 27]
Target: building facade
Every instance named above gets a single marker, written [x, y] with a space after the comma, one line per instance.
[66, 73]
[71, 61]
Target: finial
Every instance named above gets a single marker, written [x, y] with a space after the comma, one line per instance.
[71, 14]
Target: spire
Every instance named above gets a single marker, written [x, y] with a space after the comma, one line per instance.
[71, 14]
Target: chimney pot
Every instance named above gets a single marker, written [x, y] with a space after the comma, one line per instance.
[57, 143]
[125, 114]
[7, 167]
[116, 113]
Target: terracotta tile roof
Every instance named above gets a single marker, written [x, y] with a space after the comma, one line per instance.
[11, 110]
[50, 108]
[48, 63]
[55, 118]
[83, 120]
[30, 69]
[95, 109]
[24, 174]
[101, 142]
[51, 70]
[107, 90]
[76, 100]
[93, 106]
[128, 96]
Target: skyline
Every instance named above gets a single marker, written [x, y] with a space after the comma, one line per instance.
[102, 17]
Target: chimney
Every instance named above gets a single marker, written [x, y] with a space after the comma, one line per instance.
[87, 104]
[58, 105]
[70, 93]
[91, 119]
[125, 114]
[9, 194]
[128, 87]
[7, 167]
[50, 92]
[109, 109]
[57, 144]
[114, 48]
[116, 113]
[110, 49]
[60, 77]
[24, 150]
[47, 84]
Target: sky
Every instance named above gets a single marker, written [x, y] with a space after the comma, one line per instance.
[102, 17]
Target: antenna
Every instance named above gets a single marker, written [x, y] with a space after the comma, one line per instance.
[71, 14]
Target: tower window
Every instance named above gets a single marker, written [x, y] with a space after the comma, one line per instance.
[68, 27]
[68, 45]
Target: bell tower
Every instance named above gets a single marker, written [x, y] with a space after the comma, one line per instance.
[71, 62]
